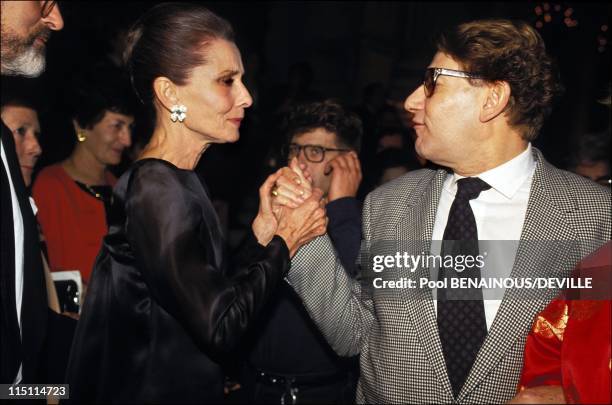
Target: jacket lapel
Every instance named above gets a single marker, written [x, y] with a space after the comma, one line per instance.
[537, 256]
[413, 234]
[34, 299]
[10, 338]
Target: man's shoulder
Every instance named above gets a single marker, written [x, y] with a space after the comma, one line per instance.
[585, 205]
[389, 202]
[571, 188]
[581, 184]
[404, 185]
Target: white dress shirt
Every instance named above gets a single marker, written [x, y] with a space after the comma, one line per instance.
[499, 213]
[18, 234]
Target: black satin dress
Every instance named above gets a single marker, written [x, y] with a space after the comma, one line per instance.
[161, 312]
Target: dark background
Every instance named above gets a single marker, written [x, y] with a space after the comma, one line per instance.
[348, 45]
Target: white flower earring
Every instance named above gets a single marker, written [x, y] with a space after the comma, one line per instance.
[178, 113]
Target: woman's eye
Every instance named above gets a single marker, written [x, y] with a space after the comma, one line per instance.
[21, 131]
[228, 82]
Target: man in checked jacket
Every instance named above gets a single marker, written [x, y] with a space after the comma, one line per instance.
[484, 99]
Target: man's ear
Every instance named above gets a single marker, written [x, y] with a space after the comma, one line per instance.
[496, 100]
[165, 92]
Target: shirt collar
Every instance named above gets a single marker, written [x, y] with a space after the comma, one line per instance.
[508, 177]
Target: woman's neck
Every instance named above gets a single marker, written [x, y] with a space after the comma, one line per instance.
[175, 145]
[83, 167]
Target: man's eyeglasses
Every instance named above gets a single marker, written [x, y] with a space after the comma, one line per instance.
[313, 153]
[432, 74]
[47, 7]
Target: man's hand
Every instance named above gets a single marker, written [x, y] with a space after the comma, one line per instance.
[345, 176]
[289, 187]
[298, 226]
[293, 186]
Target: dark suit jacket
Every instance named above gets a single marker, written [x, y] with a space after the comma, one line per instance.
[29, 349]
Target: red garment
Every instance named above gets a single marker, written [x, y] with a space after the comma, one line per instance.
[569, 344]
[72, 221]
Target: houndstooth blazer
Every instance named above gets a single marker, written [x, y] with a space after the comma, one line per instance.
[396, 330]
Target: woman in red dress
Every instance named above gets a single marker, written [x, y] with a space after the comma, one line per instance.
[567, 355]
[73, 196]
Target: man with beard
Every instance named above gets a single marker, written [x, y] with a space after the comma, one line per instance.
[25, 28]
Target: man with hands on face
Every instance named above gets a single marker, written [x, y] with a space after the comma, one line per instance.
[325, 139]
[322, 144]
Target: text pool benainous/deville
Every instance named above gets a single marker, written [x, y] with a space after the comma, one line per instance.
[487, 283]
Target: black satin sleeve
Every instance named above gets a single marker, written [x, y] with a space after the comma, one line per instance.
[166, 225]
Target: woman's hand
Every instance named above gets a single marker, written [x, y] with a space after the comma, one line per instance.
[265, 224]
[298, 226]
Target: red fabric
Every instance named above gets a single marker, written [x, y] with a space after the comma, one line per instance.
[569, 344]
[72, 221]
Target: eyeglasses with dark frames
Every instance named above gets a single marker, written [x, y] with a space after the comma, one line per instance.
[313, 153]
[432, 74]
[47, 7]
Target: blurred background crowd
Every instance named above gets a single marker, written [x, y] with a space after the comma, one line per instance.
[367, 55]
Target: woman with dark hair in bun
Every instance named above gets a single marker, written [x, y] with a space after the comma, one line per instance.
[162, 311]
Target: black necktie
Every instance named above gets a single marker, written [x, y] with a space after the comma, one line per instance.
[461, 318]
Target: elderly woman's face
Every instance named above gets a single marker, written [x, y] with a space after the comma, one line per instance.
[23, 123]
[215, 96]
[107, 139]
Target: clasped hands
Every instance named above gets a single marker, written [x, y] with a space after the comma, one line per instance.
[296, 211]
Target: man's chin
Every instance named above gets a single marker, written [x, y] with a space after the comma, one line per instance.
[30, 63]
[420, 149]
[425, 151]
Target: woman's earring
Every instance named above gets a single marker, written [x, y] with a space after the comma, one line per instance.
[178, 113]
[81, 135]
